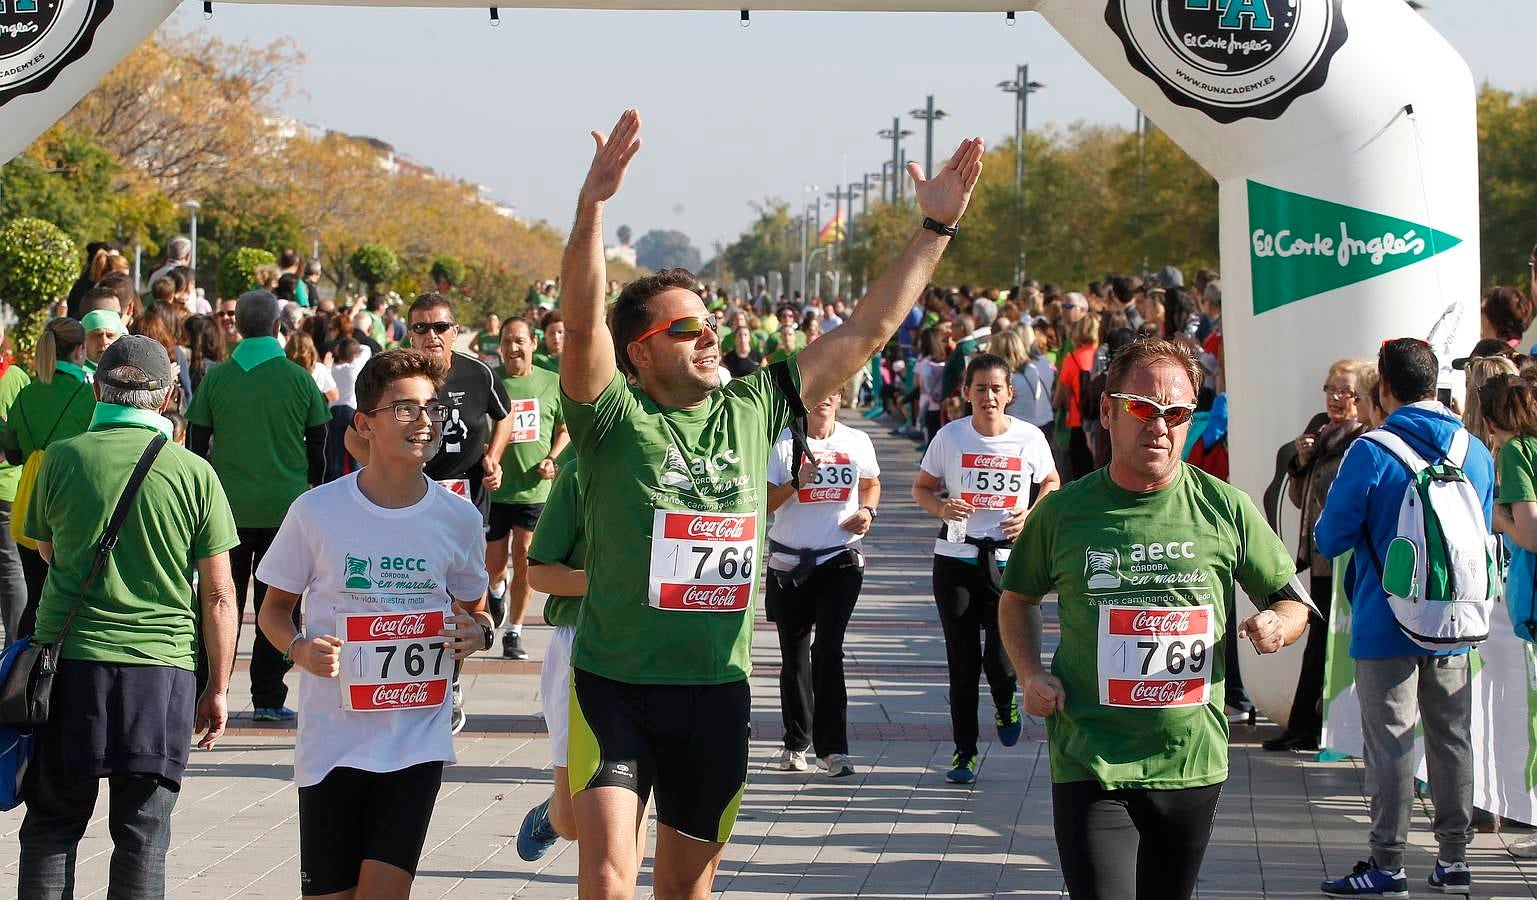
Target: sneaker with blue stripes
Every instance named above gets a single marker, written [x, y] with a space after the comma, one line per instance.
[1451, 878]
[1367, 880]
[537, 835]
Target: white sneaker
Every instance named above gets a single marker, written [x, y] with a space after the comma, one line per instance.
[790, 760]
[1526, 848]
[836, 764]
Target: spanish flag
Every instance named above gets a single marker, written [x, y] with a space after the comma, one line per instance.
[832, 232]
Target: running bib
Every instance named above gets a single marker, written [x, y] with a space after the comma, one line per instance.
[525, 421]
[836, 477]
[394, 661]
[992, 481]
[702, 562]
[1156, 657]
[459, 487]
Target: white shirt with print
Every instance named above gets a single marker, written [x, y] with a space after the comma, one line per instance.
[809, 520]
[994, 474]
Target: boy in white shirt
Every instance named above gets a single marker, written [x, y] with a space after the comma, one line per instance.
[391, 601]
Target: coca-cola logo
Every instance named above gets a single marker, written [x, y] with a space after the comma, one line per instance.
[717, 529]
[815, 495]
[707, 597]
[991, 501]
[399, 626]
[1162, 692]
[991, 462]
[412, 694]
[1172, 622]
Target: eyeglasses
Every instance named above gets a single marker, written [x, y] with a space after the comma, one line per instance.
[685, 329]
[1341, 395]
[1146, 410]
[407, 412]
[434, 327]
[1067, 306]
[225, 314]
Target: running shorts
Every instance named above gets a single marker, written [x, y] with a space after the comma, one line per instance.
[686, 741]
[555, 690]
[507, 516]
[352, 815]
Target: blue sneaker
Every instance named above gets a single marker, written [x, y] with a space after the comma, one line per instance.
[273, 714]
[1010, 725]
[1451, 878]
[1366, 880]
[964, 771]
[537, 835]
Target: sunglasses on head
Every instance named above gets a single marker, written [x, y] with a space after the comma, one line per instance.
[685, 329]
[435, 327]
[1145, 410]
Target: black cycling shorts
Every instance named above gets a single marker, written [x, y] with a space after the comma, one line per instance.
[686, 741]
[353, 815]
[507, 516]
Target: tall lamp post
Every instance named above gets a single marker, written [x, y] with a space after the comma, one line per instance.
[807, 232]
[192, 207]
[928, 116]
[1021, 87]
[895, 134]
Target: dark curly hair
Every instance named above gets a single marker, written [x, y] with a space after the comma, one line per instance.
[632, 311]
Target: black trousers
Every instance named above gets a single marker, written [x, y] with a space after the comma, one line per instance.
[1306, 719]
[968, 605]
[1079, 455]
[813, 698]
[267, 667]
[1110, 840]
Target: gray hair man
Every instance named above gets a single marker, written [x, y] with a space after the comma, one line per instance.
[178, 252]
[125, 702]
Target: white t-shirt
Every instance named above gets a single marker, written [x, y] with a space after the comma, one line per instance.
[345, 377]
[931, 374]
[809, 519]
[385, 561]
[993, 474]
[322, 375]
[1033, 386]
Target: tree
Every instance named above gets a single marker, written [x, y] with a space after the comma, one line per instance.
[447, 269]
[1507, 132]
[374, 265]
[624, 235]
[768, 245]
[38, 263]
[237, 271]
[659, 249]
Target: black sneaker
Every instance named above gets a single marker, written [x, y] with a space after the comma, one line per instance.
[512, 647]
[497, 607]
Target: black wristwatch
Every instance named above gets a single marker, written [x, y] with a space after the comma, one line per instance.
[490, 634]
[872, 511]
[940, 227]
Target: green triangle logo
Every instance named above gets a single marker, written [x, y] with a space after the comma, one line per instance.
[1301, 246]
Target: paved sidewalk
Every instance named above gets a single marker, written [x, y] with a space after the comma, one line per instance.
[893, 830]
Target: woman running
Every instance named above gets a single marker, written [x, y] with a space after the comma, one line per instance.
[985, 465]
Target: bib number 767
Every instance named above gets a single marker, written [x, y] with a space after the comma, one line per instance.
[394, 661]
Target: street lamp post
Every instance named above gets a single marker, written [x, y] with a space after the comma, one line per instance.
[806, 234]
[895, 134]
[1021, 87]
[192, 207]
[928, 116]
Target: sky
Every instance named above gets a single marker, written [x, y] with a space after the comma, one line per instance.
[731, 115]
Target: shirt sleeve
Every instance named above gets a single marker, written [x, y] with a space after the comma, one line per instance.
[1344, 513]
[555, 535]
[779, 461]
[1030, 562]
[499, 405]
[216, 533]
[198, 413]
[288, 564]
[870, 464]
[318, 413]
[934, 457]
[590, 423]
[36, 525]
[467, 575]
[1518, 483]
[1264, 565]
[1042, 462]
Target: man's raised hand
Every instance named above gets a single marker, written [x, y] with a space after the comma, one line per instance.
[615, 150]
[943, 197]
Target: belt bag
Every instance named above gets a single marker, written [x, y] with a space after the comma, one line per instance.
[28, 684]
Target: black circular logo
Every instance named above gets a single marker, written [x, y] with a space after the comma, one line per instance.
[38, 38]
[23, 23]
[1232, 59]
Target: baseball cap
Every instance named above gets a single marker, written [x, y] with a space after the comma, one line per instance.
[138, 352]
[1485, 347]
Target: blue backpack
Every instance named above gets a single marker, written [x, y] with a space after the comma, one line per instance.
[1521, 592]
[16, 744]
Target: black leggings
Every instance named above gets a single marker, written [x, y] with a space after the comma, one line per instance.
[1109, 840]
[968, 604]
[812, 694]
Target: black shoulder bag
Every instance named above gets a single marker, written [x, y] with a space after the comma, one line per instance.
[780, 373]
[24, 697]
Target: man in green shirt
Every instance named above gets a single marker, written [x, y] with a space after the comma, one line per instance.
[13, 583]
[125, 703]
[528, 467]
[1143, 556]
[661, 657]
[261, 421]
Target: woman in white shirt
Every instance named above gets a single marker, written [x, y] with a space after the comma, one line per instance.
[815, 573]
[985, 464]
[931, 375]
[347, 359]
[1033, 377]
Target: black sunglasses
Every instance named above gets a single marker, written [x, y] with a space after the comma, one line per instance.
[435, 327]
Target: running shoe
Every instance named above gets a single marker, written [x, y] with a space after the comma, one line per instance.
[512, 647]
[1010, 725]
[1526, 848]
[273, 714]
[537, 835]
[836, 764]
[457, 718]
[1366, 880]
[787, 760]
[497, 607]
[1451, 878]
[964, 771]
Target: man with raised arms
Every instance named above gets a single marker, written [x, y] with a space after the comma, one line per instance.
[675, 466]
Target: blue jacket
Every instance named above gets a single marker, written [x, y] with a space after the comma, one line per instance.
[1362, 514]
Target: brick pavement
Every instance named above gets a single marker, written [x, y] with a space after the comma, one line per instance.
[894, 830]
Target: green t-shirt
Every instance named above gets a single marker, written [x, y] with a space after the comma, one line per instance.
[559, 538]
[771, 343]
[11, 383]
[141, 610]
[1518, 470]
[487, 343]
[682, 518]
[46, 412]
[535, 415]
[258, 419]
[1101, 547]
[545, 361]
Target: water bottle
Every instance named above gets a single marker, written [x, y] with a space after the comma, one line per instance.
[955, 532]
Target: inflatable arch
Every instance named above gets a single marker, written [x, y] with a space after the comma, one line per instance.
[1342, 133]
